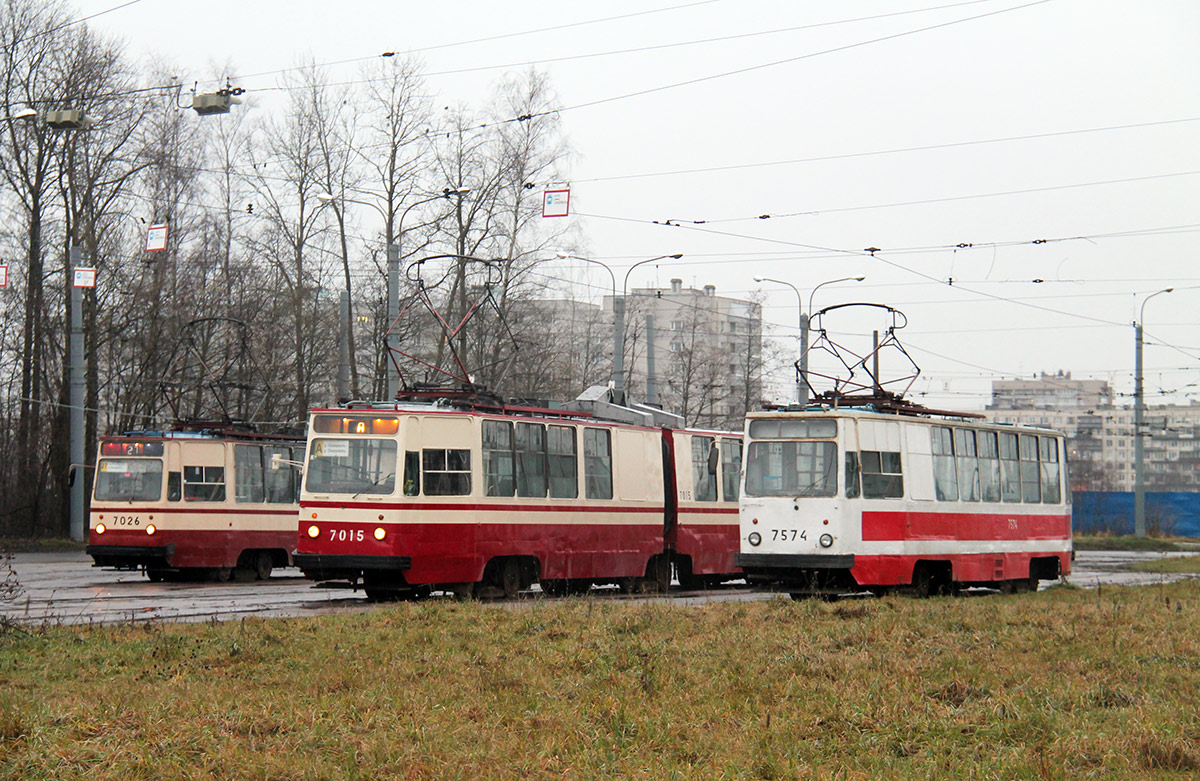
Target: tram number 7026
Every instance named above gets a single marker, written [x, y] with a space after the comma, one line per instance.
[788, 535]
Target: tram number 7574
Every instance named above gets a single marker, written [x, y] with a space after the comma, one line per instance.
[788, 535]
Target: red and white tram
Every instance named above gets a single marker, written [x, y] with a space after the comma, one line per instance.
[195, 503]
[409, 497]
[849, 498]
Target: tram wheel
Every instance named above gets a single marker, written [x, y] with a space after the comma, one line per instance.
[263, 564]
[156, 575]
[222, 574]
[510, 578]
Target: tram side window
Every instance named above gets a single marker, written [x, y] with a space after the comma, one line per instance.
[1010, 469]
[968, 465]
[447, 472]
[1030, 474]
[204, 483]
[564, 462]
[412, 473]
[247, 473]
[853, 483]
[882, 475]
[531, 459]
[1051, 487]
[704, 470]
[174, 486]
[280, 487]
[945, 471]
[989, 466]
[731, 468]
[597, 463]
[498, 468]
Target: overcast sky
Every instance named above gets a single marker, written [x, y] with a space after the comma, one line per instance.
[1057, 141]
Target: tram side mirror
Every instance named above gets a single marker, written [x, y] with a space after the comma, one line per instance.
[713, 456]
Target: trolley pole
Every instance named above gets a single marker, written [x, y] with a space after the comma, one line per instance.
[78, 473]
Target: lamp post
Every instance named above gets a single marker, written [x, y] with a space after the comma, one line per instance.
[393, 267]
[802, 376]
[618, 370]
[1139, 406]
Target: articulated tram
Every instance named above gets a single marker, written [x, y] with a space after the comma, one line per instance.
[195, 503]
[473, 497]
[853, 498]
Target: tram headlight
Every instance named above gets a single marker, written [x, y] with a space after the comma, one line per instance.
[151, 530]
[754, 539]
[826, 540]
[380, 533]
[101, 528]
[314, 531]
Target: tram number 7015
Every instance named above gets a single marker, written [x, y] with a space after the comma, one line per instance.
[346, 535]
[788, 535]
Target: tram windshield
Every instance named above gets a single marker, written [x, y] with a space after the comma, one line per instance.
[351, 466]
[129, 479]
[791, 469]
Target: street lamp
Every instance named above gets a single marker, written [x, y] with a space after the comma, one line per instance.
[1139, 406]
[393, 268]
[618, 370]
[802, 378]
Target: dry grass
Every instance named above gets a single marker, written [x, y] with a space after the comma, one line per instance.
[1126, 542]
[1169, 564]
[1059, 684]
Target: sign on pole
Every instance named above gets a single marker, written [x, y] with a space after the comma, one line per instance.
[555, 203]
[85, 277]
[156, 237]
[3, 276]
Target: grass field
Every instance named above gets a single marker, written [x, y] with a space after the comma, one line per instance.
[1123, 542]
[1064, 683]
[1173, 564]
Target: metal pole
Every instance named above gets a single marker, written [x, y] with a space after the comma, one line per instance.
[802, 380]
[343, 380]
[1139, 409]
[1139, 486]
[618, 370]
[76, 372]
[651, 379]
[393, 311]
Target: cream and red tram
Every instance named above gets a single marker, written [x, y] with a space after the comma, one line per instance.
[840, 499]
[195, 502]
[412, 497]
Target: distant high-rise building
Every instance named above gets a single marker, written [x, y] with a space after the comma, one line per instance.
[706, 352]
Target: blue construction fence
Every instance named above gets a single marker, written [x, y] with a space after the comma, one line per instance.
[1173, 513]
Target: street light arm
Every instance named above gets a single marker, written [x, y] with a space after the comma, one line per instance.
[604, 266]
[625, 283]
[1146, 300]
[829, 282]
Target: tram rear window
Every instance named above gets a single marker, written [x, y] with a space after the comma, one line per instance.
[793, 428]
[131, 448]
[129, 480]
[355, 424]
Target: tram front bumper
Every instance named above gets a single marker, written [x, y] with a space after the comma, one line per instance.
[770, 561]
[327, 566]
[131, 556]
